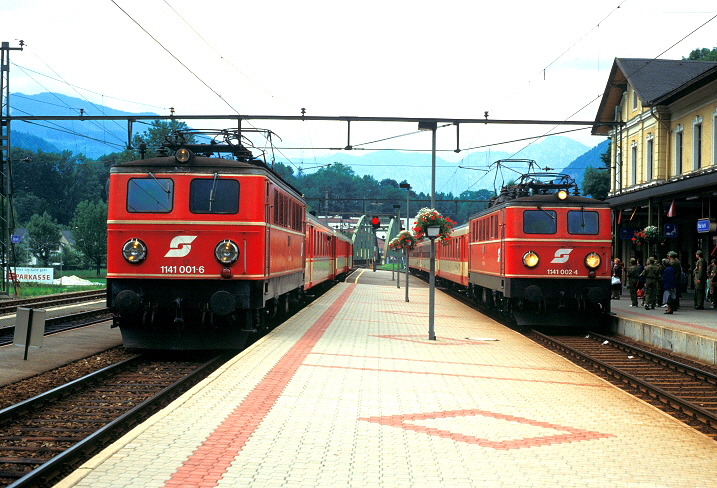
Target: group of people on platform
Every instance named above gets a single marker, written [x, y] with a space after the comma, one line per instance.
[660, 283]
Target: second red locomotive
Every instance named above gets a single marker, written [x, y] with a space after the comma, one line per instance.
[538, 253]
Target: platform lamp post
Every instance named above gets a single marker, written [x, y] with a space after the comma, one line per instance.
[397, 208]
[408, 212]
[432, 231]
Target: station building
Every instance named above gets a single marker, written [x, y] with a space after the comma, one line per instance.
[661, 118]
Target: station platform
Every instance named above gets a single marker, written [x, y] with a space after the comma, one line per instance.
[686, 332]
[350, 392]
[57, 349]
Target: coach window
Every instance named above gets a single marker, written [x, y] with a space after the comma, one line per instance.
[150, 195]
[539, 222]
[582, 222]
[214, 196]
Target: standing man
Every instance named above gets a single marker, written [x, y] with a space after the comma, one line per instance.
[700, 276]
[652, 274]
[633, 276]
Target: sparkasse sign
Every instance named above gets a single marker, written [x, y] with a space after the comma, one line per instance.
[37, 275]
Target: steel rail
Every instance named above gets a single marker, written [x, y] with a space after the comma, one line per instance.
[663, 396]
[50, 470]
[51, 300]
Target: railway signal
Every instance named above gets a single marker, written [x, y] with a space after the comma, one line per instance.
[375, 223]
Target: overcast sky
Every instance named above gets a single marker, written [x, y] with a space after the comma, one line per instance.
[517, 59]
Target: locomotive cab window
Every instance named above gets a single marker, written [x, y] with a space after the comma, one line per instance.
[150, 195]
[214, 196]
[582, 222]
[539, 222]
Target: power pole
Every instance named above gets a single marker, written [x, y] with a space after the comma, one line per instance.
[5, 164]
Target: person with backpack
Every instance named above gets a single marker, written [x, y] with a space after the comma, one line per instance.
[652, 274]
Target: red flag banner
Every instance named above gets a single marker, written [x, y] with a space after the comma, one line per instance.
[671, 211]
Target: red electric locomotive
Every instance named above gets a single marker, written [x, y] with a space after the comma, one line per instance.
[201, 250]
[538, 253]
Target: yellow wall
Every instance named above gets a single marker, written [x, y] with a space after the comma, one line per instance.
[641, 124]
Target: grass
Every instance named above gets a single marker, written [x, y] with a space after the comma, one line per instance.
[41, 289]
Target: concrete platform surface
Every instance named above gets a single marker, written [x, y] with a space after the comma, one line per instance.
[351, 393]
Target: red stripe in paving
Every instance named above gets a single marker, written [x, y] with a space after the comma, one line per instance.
[532, 368]
[573, 434]
[206, 466]
[592, 385]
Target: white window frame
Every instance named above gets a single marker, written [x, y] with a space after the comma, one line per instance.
[697, 135]
[677, 160]
[633, 163]
[649, 156]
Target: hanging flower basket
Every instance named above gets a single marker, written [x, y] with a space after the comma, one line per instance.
[648, 235]
[428, 217]
[404, 240]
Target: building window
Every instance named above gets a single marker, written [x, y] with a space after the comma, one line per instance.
[634, 100]
[649, 157]
[633, 163]
[678, 150]
[697, 144]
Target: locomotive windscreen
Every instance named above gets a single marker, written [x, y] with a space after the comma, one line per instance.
[539, 222]
[582, 222]
[214, 196]
[150, 195]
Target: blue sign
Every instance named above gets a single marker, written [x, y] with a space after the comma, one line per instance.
[669, 230]
[15, 239]
[706, 225]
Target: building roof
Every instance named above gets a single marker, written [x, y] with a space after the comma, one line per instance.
[656, 81]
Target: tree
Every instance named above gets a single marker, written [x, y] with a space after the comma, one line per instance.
[54, 182]
[703, 54]
[596, 181]
[89, 228]
[157, 134]
[43, 237]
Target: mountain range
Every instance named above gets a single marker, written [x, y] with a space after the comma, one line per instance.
[476, 171]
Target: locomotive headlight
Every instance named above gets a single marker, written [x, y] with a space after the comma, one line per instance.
[182, 155]
[226, 252]
[531, 259]
[134, 251]
[562, 194]
[592, 260]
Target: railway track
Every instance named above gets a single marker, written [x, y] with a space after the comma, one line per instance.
[10, 306]
[684, 391]
[54, 325]
[46, 437]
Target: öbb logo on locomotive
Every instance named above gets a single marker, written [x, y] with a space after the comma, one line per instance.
[180, 246]
[561, 256]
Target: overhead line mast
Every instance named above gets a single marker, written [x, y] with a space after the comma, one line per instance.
[5, 164]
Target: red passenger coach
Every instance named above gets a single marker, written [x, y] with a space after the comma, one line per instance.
[202, 250]
[451, 259]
